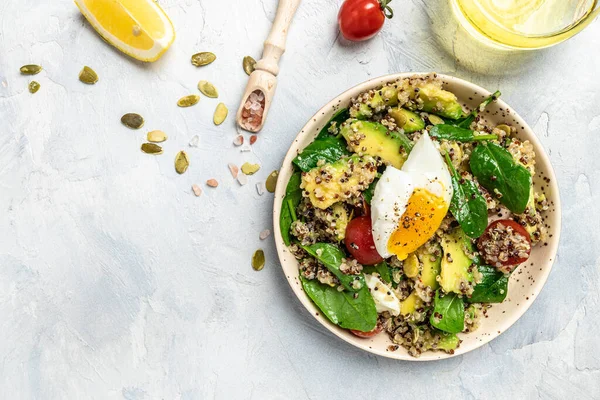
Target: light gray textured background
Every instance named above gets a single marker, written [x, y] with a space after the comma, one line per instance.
[116, 282]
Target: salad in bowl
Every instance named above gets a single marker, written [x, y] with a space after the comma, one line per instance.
[408, 213]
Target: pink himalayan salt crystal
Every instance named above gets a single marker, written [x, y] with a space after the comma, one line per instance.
[234, 170]
[242, 179]
[253, 110]
[212, 183]
[260, 188]
[264, 234]
[197, 190]
[239, 140]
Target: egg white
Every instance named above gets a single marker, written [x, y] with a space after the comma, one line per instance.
[425, 168]
[385, 299]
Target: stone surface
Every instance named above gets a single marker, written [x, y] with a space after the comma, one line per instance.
[117, 282]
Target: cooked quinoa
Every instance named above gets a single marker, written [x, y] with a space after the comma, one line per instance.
[335, 192]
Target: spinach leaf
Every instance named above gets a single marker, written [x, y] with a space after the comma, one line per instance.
[457, 134]
[499, 173]
[493, 288]
[339, 117]
[293, 195]
[368, 192]
[466, 122]
[329, 148]
[448, 313]
[331, 256]
[468, 206]
[382, 269]
[342, 308]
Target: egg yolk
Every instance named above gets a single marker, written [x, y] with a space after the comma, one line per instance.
[423, 216]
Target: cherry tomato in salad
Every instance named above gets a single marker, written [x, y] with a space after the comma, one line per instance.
[504, 243]
[378, 328]
[362, 19]
[359, 241]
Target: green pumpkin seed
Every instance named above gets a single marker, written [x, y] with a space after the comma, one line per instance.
[151, 148]
[272, 181]
[188, 101]
[88, 76]
[203, 58]
[156, 136]
[220, 114]
[31, 69]
[33, 87]
[435, 120]
[132, 120]
[249, 64]
[208, 89]
[181, 162]
[258, 260]
[250, 169]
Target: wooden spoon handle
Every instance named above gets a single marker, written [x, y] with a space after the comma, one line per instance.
[275, 43]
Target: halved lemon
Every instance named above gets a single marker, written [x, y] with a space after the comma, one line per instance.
[139, 28]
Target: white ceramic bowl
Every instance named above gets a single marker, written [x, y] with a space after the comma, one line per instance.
[525, 284]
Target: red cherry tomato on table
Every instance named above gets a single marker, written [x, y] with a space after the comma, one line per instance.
[504, 243]
[378, 328]
[363, 19]
[359, 241]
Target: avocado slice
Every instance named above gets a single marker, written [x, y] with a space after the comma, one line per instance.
[437, 101]
[411, 266]
[430, 270]
[456, 266]
[407, 120]
[410, 304]
[448, 341]
[387, 96]
[374, 139]
[341, 219]
[338, 181]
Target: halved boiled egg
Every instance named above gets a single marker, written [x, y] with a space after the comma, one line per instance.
[408, 205]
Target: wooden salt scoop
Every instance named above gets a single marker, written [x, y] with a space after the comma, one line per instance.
[260, 89]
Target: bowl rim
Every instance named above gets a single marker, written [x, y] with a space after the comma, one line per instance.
[309, 130]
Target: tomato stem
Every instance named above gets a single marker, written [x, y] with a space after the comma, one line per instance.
[387, 10]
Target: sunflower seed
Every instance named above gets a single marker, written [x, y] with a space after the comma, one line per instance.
[88, 76]
[260, 188]
[234, 170]
[197, 190]
[188, 101]
[132, 120]
[33, 87]
[212, 183]
[249, 63]
[30, 69]
[239, 140]
[271, 183]
[264, 234]
[250, 169]
[258, 260]
[253, 139]
[181, 162]
[208, 89]
[203, 58]
[156, 136]
[151, 148]
[242, 179]
[195, 141]
[220, 114]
